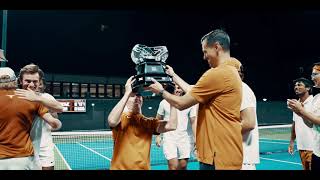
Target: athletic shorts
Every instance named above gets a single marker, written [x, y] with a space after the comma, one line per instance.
[246, 166]
[306, 157]
[179, 150]
[46, 156]
[315, 163]
[21, 163]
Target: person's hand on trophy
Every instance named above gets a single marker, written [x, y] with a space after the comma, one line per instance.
[169, 70]
[156, 87]
[128, 85]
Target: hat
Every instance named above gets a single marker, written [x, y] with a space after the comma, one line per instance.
[235, 63]
[6, 71]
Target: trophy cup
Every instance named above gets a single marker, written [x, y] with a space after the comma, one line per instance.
[150, 63]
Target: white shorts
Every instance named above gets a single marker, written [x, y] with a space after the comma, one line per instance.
[246, 166]
[46, 156]
[180, 150]
[21, 163]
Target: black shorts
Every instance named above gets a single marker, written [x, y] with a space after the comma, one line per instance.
[315, 162]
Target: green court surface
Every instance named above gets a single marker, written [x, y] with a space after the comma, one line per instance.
[95, 153]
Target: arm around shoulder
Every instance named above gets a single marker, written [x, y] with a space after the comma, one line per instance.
[51, 103]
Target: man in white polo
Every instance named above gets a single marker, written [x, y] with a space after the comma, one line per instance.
[302, 132]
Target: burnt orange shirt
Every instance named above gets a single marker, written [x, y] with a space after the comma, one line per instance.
[219, 139]
[132, 142]
[16, 117]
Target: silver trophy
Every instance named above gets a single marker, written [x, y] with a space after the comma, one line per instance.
[150, 63]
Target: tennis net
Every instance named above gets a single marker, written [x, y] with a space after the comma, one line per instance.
[93, 150]
[274, 139]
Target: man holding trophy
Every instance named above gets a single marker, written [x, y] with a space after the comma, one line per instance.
[219, 94]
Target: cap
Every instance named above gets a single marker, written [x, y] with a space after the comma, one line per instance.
[6, 71]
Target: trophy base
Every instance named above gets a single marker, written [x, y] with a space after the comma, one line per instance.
[142, 82]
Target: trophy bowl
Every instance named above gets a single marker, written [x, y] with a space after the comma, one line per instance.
[150, 63]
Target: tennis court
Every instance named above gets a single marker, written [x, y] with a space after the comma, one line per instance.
[93, 151]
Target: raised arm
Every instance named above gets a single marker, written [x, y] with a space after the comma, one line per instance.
[115, 114]
[308, 117]
[180, 82]
[30, 95]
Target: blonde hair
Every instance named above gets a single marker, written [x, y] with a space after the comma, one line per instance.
[8, 85]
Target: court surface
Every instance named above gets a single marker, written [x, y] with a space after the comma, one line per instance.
[97, 155]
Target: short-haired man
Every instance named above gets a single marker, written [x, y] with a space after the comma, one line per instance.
[300, 131]
[31, 80]
[219, 94]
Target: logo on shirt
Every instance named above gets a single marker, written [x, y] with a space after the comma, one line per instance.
[10, 96]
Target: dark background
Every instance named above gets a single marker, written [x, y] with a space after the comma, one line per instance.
[275, 46]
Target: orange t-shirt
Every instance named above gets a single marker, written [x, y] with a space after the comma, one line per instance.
[132, 142]
[16, 117]
[219, 139]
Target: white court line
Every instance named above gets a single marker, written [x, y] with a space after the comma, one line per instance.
[63, 159]
[281, 161]
[94, 151]
[103, 148]
[274, 142]
[269, 139]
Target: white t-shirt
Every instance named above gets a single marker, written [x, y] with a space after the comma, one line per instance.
[304, 134]
[316, 128]
[184, 129]
[250, 141]
[41, 135]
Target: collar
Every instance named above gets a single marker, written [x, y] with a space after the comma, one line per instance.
[309, 99]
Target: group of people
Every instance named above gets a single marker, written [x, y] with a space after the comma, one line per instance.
[306, 120]
[219, 108]
[27, 116]
[216, 118]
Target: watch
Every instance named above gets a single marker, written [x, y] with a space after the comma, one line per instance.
[161, 92]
